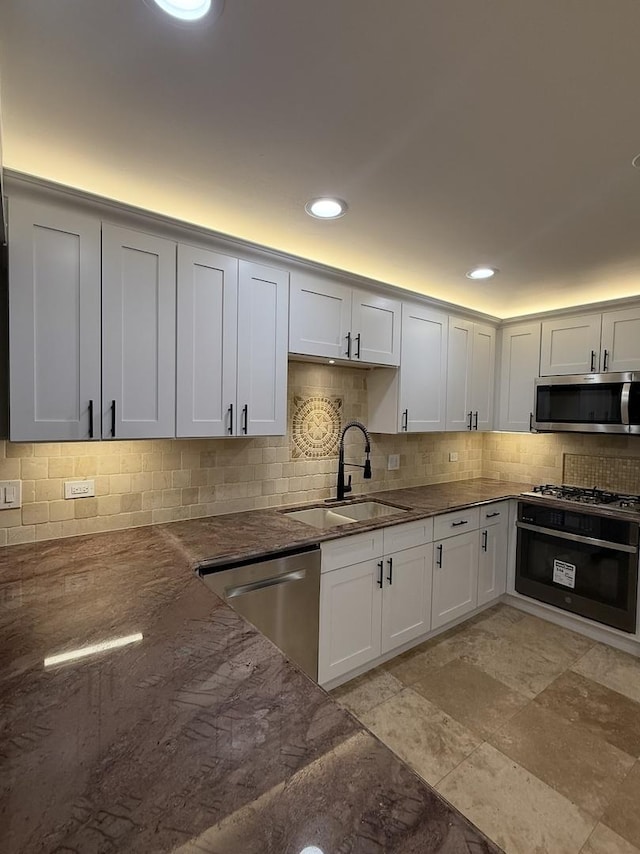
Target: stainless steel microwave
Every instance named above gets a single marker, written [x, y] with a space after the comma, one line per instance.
[588, 403]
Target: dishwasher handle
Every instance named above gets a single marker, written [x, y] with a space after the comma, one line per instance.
[285, 578]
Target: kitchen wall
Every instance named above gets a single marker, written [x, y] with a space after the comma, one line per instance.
[145, 482]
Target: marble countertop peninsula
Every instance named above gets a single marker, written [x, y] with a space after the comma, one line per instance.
[196, 734]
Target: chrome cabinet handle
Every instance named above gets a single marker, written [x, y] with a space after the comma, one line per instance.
[381, 568]
[485, 538]
[405, 420]
[230, 411]
[593, 361]
[439, 558]
[390, 576]
[348, 337]
[457, 524]
[605, 361]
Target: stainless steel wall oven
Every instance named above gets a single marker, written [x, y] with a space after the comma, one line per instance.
[579, 561]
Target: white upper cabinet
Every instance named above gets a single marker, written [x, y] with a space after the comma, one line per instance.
[470, 375]
[54, 299]
[207, 330]
[263, 313]
[519, 365]
[138, 335]
[413, 398]
[620, 343]
[338, 322]
[570, 345]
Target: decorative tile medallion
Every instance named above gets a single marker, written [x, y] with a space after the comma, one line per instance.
[316, 425]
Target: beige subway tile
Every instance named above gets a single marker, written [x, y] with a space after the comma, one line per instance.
[61, 466]
[88, 466]
[10, 469]
[190, 495]
[170, 514]
[120, 483]
[141, 481]
[206, 494]
[61, 510]
[49, 531]
[34, 468]
[23, 534]
[171, 497]
[85, 508]
[48, 490]
[152, 462]
[34, 514]
[46, 449]
[190, 460]
[109, 464]
[109, 505]
[143, 517]
[180, 478]
[162, 480]
[152, 500]
[131, 502]
[101, 484]
[208, 459]
[11, 518]
[199, 477]
[130, 463]
[29, 491]
[3, 537]
[19, 449]
[171, 461]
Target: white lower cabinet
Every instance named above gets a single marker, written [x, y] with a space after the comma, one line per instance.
[376, 605]
[492, 565]
[455, 578]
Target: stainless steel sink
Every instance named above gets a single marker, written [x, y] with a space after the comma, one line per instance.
[320, 517]
[325, 517]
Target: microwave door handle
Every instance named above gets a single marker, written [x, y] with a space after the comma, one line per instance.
[624, 403]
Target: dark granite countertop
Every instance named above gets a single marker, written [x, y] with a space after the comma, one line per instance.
[200, 735]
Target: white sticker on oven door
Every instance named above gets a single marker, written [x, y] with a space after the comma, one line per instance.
[564, 573]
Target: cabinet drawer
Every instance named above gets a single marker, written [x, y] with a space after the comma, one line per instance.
[450, 524]
[348, 550]
[494, 514]
[408, 535]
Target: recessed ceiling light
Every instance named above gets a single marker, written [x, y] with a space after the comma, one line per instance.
[186, 10]
[332, 361]
[481, 273]
[326, 208]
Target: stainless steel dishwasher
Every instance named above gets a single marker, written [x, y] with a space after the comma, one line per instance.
[280, 594]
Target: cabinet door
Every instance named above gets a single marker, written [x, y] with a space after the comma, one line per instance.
[263, 299]
[492, 566]
[54, 299]
[375, 329]
[350, 619]
[423, 372]
[519, 367]
[207, 327]
[570, 345]
[320, 318]
[483, 376]
[138, 335]
[406, 602]
[621, 340]
[455, 578]
[460, 354]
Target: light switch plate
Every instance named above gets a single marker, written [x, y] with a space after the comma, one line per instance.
[393, 462]
[79, 489]
[10, 494]
[453, 456]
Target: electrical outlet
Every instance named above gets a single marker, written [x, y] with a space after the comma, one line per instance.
[453, 456]
[393, 462]
[79, 489]
[10, 494]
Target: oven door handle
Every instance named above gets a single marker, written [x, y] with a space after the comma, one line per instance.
[577, 538]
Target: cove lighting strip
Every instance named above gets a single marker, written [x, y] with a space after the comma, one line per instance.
[84, 651]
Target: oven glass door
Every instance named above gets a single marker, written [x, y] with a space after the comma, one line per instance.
[598, 582]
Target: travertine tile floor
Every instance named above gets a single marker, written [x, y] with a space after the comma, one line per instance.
[530, 730]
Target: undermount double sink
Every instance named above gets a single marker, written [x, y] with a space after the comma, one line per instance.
[344, 514]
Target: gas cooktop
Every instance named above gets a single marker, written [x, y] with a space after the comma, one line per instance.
[592, 497]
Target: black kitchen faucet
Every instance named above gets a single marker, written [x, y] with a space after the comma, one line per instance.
[343, 488]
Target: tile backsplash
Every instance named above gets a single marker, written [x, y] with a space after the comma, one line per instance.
[146, 482]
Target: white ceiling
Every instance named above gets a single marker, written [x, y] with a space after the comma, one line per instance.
[458, 131]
